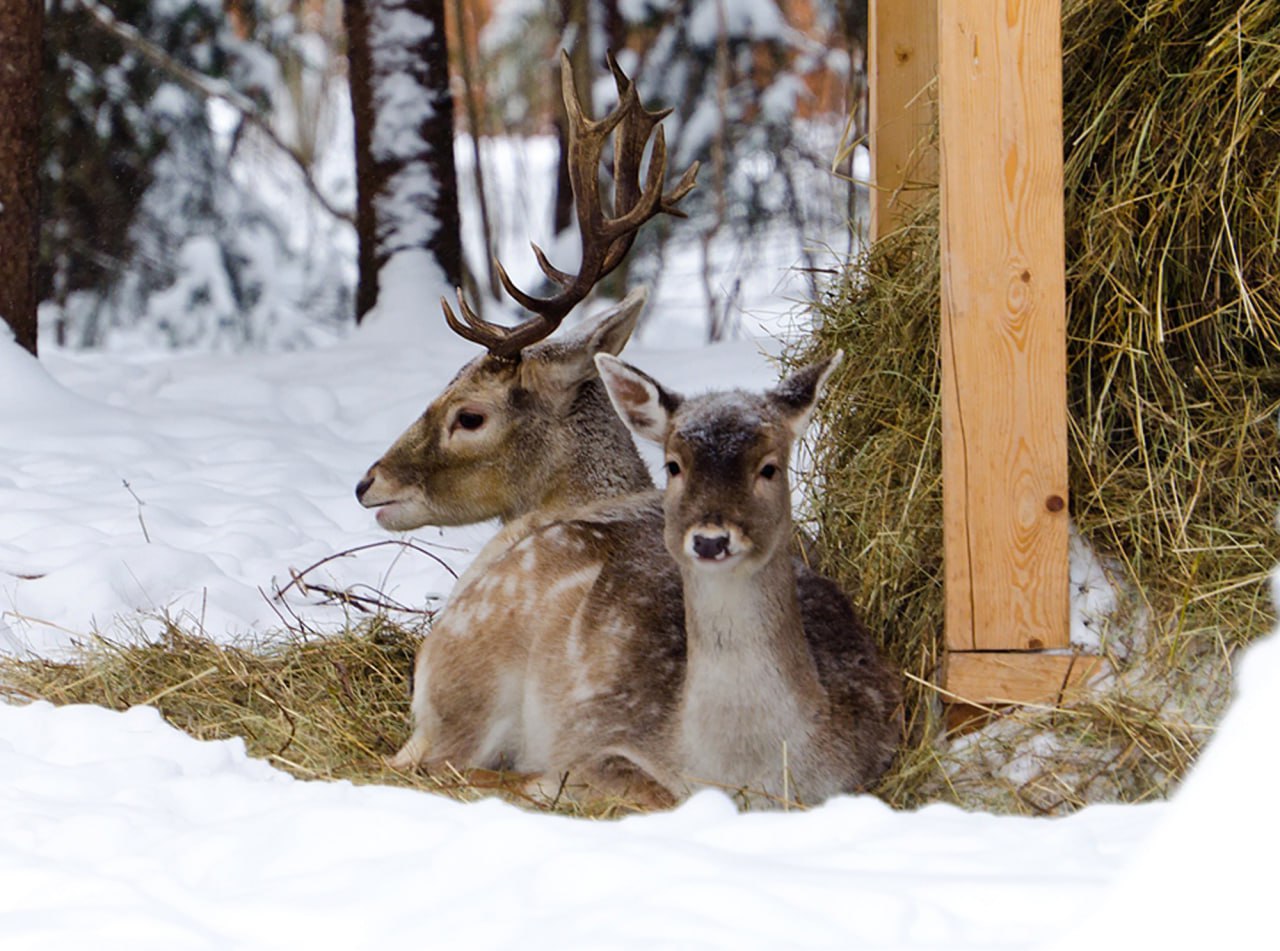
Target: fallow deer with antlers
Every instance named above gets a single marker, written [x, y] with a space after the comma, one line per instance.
[526, 429]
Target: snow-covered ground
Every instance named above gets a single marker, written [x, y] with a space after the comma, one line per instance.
[194, 483]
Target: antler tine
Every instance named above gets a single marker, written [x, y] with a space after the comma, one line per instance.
[527, 301]
[573, 108]
[688, 182]
[492, 337]
[628, 151]
[666, 205]
[549, 269]
[630, 139]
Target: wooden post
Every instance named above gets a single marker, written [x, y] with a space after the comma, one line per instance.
[902, 59]
[1003, 346]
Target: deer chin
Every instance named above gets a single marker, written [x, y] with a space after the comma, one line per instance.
[400, 515]
[725, 561]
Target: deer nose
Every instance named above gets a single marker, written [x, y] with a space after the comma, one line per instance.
[362, 487]
[710, 546]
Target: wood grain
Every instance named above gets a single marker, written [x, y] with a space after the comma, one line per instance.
[1003, 326]
[992, 679]
[902, 59]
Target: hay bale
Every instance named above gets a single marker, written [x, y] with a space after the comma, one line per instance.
[1171, 128]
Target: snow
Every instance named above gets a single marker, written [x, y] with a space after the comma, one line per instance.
[121, 831]
[405, 102]
[753, 20]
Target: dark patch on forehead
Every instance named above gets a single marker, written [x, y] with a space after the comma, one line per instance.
[723, 427]
[519, 398]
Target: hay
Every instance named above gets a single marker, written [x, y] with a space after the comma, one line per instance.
[1171, 129]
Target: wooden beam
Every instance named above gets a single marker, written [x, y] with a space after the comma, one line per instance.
[902, 58]
[1004, 420]
[997, 678]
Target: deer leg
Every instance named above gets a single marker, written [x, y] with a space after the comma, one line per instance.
[461, 716]
[609, 779]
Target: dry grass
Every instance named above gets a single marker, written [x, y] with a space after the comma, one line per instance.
[1171, 126]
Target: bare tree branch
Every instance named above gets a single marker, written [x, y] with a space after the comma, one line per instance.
[209, 88]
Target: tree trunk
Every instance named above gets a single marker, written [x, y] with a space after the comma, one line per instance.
[614, 25]
[575, 16]
[406, 186]
[20, 23]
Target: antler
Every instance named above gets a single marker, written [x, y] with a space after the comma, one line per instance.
[605, 240]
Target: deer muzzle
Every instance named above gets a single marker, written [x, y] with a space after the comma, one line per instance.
[709, 543]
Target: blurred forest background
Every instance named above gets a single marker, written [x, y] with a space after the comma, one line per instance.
[199, 160]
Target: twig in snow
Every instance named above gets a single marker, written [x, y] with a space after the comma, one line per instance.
[298, 576]
[128, 488]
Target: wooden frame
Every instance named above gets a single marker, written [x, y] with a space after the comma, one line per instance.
[1003, 336]
[902, 61]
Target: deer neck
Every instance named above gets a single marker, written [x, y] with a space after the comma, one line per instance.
[751, 684]
[596, 458]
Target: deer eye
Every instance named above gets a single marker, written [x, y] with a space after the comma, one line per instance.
[768, 470]
[673, 468]
[468, 420]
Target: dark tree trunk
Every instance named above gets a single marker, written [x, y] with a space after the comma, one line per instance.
[575, 18]
[406, 186]
[615, 26]
[20, 22]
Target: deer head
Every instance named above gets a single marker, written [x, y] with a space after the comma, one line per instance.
[728, 495]
[527, 425]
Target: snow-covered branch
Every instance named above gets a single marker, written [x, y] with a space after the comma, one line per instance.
[209, 88]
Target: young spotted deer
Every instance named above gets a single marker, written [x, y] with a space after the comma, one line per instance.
[653, 644]
[526, 429]
[772, 701]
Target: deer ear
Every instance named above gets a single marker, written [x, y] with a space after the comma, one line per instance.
[797, 395]
[613, 329]
[644, 406]
[566, 364]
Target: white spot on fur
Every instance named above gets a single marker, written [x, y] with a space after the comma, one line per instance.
[458, 618]
[540, 730]
[510, 586]
[580, 653]
[484, 611]
[528, 557]
[582, 578]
